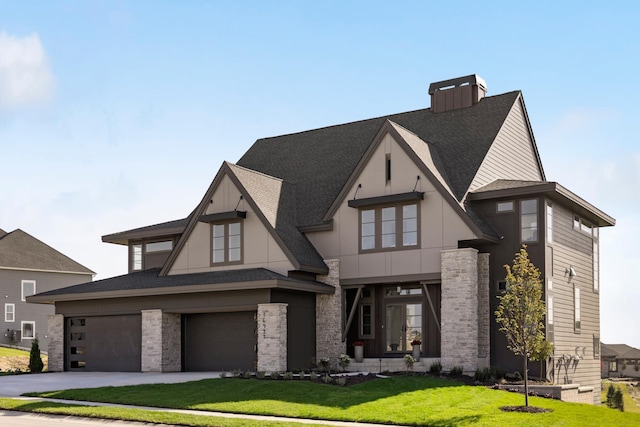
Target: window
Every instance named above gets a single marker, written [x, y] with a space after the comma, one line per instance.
[163, 246]
[388, 167]
[389, 227]
[596, 347]
[580, 224]
[366, 315]
[28, 330]
[576, 309]
[136, 257]
[613, 365]
[504, 206]
[596, 266]
[503, 285]
[28, 288]
[549, 284]
[550, 310]
[9, 312]
[226, 244]
[549, 223]
[529, 220]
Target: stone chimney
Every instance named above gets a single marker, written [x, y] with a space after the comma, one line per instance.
[457, 93]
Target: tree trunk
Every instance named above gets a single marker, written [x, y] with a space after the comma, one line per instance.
[526, 382]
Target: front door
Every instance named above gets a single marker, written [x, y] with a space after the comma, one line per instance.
[403, 325]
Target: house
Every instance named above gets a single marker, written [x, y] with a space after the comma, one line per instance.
[383, 231]
[620, 360]
[27, 266]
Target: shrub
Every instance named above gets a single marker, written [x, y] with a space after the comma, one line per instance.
[313, 376]
[327, 379]
[325, 364]
[260, 375]
[35, 360]
[611, 391]
[236, 374]
[287, 375]
[409, 360]
[435, 368]
[482, 375]
[344, 361]
[618, 401]
[247, 375]
[302, 374]
[456, 371]
[223, 375]
[342, 381]
[275, 375]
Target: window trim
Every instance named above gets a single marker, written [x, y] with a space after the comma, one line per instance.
[504, 211]
[226, 225]
[132, 261]
[33, 328]
[399, 231]
[24, 282]
[549, 221]
[550, 307]
[595, 253]
[577, 310]
[537, 213]
[6, 312]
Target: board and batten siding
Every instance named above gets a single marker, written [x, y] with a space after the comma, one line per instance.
[512, 155]
[573, 248]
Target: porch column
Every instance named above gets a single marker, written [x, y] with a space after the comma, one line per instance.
[272, 337]
[56, 343]
[160, 350]
[329, 344]
[459, 309]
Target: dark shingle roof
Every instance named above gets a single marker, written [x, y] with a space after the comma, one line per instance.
[620, 351]
[149, 279]
[319, 162]
[21, 250]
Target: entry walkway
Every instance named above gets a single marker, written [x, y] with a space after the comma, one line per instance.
[15, 385]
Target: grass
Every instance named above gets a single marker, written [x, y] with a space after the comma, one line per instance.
[397, 400]
[13, 359]
[13, 352]
[630, 404]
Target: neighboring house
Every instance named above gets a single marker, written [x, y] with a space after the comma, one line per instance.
[383, 231]
[29, 266]
[620, 360]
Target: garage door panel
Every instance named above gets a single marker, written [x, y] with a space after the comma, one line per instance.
[220, 341]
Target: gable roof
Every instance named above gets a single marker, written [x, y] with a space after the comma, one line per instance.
[274, 203]
[148, 282]
[21, 251]
[619, 351]
[319, 162]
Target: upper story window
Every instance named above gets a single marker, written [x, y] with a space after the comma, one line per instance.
[576, 309]
[584, 226]
[165, 245]
[389, 227]
[596, 266]
[226, 243]
[9, 312]
[136, 257]
[529, 220]
[502, 207]
[549, 222]
[139, 252]
[28, 288]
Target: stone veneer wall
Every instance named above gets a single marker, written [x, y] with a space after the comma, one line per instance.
[329, 344]
[56, 343]
[272, 337]
[160, 341]
[459, 309]
[484, 312]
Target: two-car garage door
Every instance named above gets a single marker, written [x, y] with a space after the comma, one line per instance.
[210, 342]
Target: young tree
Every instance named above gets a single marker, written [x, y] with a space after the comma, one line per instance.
[541, 354]
[35, 360]
[521, 310]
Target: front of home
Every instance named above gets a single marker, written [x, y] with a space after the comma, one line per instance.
[383, 231]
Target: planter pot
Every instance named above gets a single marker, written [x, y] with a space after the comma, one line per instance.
[416, 352]
[358, 353]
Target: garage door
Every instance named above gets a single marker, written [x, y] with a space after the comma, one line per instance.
[220, 341]
[105, 343]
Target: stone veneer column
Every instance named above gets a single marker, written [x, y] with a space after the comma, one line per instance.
[56, 343]
[329, 344]
[484, 312]
[459, 309]
[160, 341]
[272, 337]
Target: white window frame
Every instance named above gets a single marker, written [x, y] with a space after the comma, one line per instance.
[550, 310]
[24, 282]
[8, 312]
[33, 328]
[577, 315]
[549, 218]
[596, 265]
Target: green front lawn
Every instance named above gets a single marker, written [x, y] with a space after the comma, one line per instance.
[397, 400]
[12, 352]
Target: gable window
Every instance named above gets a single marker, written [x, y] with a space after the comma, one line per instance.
[504, 206]
[28, 330]
[529, 220]
[226, 243]
[9, 312]
[28, 288]
[389, 227]
[576, 309]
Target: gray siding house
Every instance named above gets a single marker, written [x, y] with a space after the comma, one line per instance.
[29, 266]
[382, 231]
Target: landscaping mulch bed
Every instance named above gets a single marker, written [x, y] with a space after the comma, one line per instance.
[528, 409]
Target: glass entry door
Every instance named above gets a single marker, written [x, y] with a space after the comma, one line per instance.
[403, 325]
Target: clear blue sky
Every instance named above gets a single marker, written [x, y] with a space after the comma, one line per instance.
[115, 115]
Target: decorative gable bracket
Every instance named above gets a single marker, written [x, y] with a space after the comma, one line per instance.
[222, 216]
[384, 200]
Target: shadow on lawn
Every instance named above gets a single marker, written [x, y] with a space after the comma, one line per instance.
[205, 394]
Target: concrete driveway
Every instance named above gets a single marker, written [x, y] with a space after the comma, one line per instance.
[15, 385]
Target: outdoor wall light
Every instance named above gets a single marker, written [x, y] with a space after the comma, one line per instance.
[570, 271]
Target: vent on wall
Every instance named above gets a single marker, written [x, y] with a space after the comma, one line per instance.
[457, 93]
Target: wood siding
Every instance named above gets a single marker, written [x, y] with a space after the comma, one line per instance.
[512, 155]
[11, 290]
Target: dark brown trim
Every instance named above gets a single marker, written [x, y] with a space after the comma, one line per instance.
[384, 200]
[222, 216]
[399, 221]
[375, 280]
[125, 237]
[530, 129]
[324, 226]
[226, 243]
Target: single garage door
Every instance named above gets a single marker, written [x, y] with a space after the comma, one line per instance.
[220, 341]
[104, 343]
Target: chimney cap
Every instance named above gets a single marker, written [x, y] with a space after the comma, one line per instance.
[472, 79]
